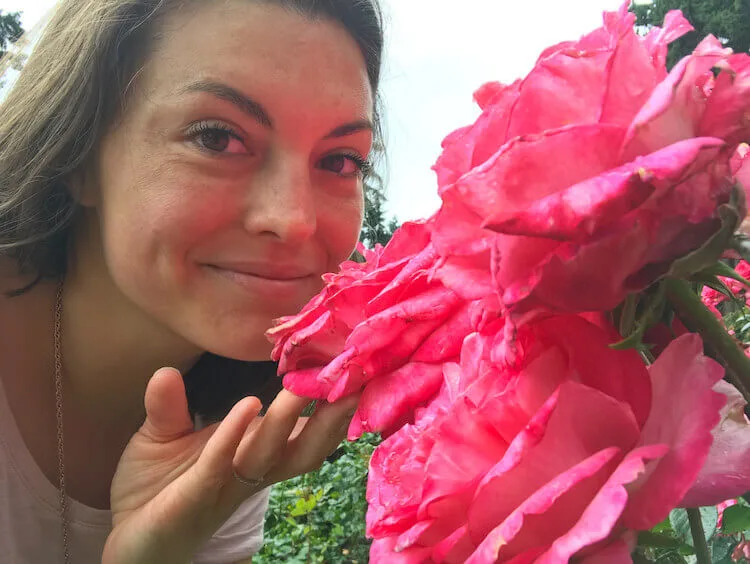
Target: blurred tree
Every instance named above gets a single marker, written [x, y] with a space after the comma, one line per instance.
[729, 20]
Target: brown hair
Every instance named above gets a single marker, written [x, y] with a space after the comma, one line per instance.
[73, 87]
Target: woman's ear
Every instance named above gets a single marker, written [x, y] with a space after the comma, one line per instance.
[83, 186]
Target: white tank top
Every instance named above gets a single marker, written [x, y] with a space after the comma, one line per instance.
[30, 529]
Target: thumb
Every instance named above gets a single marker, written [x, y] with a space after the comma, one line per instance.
[167, 415]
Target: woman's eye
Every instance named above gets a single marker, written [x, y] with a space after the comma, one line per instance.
[344, 164]
[217, 139]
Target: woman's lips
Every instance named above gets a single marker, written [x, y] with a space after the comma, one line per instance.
[270, 271]
[272, 284]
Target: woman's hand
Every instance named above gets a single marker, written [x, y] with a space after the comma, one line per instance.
[174, 488]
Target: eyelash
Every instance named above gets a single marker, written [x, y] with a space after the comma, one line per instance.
[364, 165]
[204, 126]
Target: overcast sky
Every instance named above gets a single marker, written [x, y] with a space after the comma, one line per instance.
[438, 53]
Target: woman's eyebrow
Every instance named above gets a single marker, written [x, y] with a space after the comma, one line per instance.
[233, 96]
[255, 110]
[351, 128]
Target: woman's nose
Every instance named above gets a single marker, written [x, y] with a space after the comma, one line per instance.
[281, 201]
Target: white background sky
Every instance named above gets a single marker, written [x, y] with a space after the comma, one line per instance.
[438, 53]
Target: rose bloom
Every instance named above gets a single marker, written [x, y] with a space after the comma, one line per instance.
[584, 181]
[563, 449]
[386, 326]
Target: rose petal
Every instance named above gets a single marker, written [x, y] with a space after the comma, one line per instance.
[601, 515]
[684, 410]
[617, 552]
[726, 473]
[586, 207]
[545, 514]
[673, 112]
[523, 172]
[389, 401]
[584, 422]
[382, 552]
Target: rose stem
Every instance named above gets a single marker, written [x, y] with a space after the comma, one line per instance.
[699, 536]
[697, 317]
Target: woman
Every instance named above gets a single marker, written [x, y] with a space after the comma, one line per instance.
[188, 169]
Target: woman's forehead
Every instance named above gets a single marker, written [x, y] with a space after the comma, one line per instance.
[268, 53]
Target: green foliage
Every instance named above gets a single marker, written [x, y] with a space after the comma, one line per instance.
[376, 228]
[736, 519]
[725, 19]
[671, 542]
[319, 517]
[10, 30]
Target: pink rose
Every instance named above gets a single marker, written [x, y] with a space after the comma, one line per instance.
[584, 181]
[712, 298]
[386, 326]
[561, 453]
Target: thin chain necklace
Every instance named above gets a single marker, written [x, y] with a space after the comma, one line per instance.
[60, 438]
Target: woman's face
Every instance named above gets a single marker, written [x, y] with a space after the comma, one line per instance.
[233, 180]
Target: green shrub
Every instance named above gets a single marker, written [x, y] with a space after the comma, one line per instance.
[320, 517]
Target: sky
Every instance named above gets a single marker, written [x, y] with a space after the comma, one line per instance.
[438, 52]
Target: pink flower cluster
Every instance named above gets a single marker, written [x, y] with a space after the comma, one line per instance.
[712, 297]
[513, 431]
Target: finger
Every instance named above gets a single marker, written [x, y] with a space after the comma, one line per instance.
[211, 476]
[167, 415]
[214, 467]
[259, 451]
[323, 433]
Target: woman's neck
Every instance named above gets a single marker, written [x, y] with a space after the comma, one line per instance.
[111, 348]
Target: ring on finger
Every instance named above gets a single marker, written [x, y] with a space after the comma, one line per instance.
[251, 482]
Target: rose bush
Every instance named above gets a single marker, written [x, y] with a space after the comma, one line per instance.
[597, 170]
[559, 455]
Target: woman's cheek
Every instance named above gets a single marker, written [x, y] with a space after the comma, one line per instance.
[340, 225]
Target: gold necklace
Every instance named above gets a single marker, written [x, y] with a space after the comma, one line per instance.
[60, 438]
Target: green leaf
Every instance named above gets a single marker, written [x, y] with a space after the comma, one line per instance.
[713, 282]
[678, 518]
[627, 314]
[663, 527]
[662, 540]
[709, 518]
[723, 269]
[721, 549]
[736, 519]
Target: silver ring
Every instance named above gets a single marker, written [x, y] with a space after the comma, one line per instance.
[253, 483]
